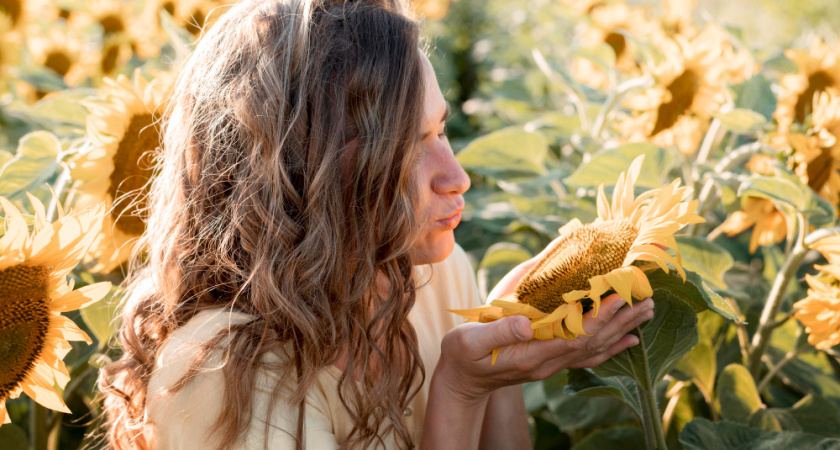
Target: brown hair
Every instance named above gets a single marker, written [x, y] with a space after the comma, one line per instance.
[286, 191]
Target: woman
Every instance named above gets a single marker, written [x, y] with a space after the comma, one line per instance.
[301, 254]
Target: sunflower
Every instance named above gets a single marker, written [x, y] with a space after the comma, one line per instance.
[583, 6]
[9, 46]
[818, 71]
[819, 312]
[432, 9]
[60, 52]
[589, 260]
[33, 272]
[113, 16]
[677, 18]
[609, 25]
[15, 10]
[115, 169]
[690, 89]
[110, 59]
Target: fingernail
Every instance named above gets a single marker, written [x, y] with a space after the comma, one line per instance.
[648, 315]
[634, 341]
[517, 331]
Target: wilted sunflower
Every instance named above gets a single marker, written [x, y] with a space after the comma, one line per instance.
[761, 213]
[609, 25]
[589, 260]
[61, 52]
[818, 71]
[116, 169]
[690, 89]
[33, 272]
[819, 312]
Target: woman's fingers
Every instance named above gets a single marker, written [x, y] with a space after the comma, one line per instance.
[625, 342]
[609, 307]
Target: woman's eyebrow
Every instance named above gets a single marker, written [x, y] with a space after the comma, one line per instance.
[442, 119]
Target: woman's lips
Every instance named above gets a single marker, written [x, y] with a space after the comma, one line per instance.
[452, 221]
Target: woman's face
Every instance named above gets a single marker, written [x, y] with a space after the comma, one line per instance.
[442, 180]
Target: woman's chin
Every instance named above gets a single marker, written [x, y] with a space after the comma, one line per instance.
[430, 251]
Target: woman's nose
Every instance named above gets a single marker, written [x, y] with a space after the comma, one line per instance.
[451, 179]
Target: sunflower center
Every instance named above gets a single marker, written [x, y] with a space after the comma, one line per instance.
[129, 180]
[109, 59]
[13, 9]
[111, 24]
[819, 169]
[195, 22]
[682, 92]
[169, 7]
[618, 43]
[594, 249]
[817, 82]
[24, 321]
[59, 62]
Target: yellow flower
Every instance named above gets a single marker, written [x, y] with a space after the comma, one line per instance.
[113, 16]
[15, 10]
[9, 46]
[769, 222]
[819, 70]
[690, 89]
[116, 166]
[583, 6]
[33, 272]
[819, 312]
[61, 52]
[609, 25]
[432, 9]
[591, 259]
[677, 18]
[192, 15]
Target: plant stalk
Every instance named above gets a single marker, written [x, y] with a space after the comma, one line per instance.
[38, 431]
[774, 300]
[651, 420]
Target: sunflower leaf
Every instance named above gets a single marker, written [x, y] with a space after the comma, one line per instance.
[737, 396]
[35, 161]
[667, 337]
[508, 154]
[785, 188]
[605, 166]
[702, 433]
[584, 383]
[694, 291]
[742, 121]
[708, 259]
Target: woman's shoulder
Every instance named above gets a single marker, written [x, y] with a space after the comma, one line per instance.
[185, 417]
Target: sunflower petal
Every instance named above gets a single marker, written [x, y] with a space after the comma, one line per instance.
[82, 297]
[574, 321]
[621, 280]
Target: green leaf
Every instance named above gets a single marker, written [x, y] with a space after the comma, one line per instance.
[499, 259]
[12, 437]
[35, 161]
[101, 318]
[709, 260]
[817, 415]
[774, 419]
[703, 434]
[693, 291]
[584, 383]
[785, 188]
[742, 121]
[63, 107]
[605, 166]
[700, 364]
[667, 337]
[737, 396]
[508, 154]
[602, 54]
[629, 438]
[756, 94]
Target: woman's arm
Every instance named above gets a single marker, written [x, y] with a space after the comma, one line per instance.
[505, 423]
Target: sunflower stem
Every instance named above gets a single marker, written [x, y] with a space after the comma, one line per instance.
[38, 431]
[797, 349]
[774, 299]
[651, 420]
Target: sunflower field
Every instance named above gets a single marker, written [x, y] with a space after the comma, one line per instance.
[677, 155]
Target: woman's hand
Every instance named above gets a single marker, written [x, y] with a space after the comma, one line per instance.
[464, 369]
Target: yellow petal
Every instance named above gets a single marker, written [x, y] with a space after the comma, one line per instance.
[621, 280]
[574, 321]
[599, 286]
[641, 284]
[42, 392]
[82, 297]
[556, 315]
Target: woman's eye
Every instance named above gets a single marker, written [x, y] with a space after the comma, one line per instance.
[443, 134]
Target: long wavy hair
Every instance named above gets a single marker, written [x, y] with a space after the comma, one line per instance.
[285, 190]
